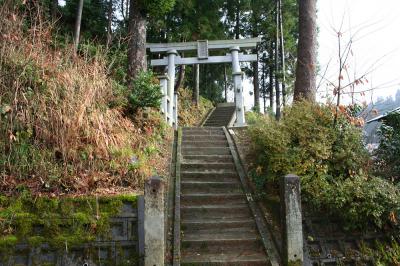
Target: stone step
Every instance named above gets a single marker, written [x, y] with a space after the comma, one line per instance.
[215, 211]
[210, 133]
[247, 259]
[203, 144]
[206, 151]
[220, 123]
[193, 225]
[234, 241]
[203, 138]
[225, 110]
[217, 119]
[224, 232]
[207, 158]
[222, 116]
[212, 198]
[216, 123]
[210, 187]
[191, 129]
[207, 166]
[214, 175]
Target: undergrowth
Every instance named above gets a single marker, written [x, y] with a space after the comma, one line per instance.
[63, 122]
[330, 159]
[189, 114]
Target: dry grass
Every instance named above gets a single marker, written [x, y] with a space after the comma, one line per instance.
[57, 132]
[189, 114]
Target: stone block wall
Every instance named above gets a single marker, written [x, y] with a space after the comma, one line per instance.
[120, 248]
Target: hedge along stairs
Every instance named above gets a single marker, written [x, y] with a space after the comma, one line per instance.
[216, 221]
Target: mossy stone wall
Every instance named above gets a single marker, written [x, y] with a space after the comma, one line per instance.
[69, 231]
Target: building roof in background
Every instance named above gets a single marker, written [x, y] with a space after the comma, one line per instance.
[380, 117]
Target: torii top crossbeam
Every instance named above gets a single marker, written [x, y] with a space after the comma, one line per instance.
[212, 45]
[169, 102]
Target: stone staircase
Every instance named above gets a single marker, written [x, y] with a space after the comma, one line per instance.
[221, 116]
[216, 223]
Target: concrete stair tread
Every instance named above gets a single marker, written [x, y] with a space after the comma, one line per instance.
[201, 182]
[213, 171]
[206, 158]
[219, 221]
[185, 162]
[218, 236]
[215, 207]
[203, 160]
[203, 146]
[213, 195]
[247, 258]
[225, 148]
[204, 142]
[223, 234]
[193, 199]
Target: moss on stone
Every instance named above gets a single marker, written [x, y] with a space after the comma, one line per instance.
[8, 242]
[295, 263]
[58, 222]
[36, 241]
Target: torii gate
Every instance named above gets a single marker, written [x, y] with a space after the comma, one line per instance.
[169, 104]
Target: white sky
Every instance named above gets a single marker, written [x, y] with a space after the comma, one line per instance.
[375, 27]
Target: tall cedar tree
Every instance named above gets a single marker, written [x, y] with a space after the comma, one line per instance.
[305, 85]
[77, 31]
[137, 40]
[139, 10]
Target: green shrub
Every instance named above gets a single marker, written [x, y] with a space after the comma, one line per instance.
[388, 153]
[329, 157]
[145, 92]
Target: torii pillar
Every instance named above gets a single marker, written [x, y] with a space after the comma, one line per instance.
[171, 87]
[238, 87]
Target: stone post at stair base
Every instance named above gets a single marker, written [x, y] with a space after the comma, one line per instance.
[154, 231]
[292, 228]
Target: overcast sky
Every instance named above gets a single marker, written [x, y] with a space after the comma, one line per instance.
[374, 27]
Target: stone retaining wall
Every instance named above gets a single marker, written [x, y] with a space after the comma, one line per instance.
[120, 248]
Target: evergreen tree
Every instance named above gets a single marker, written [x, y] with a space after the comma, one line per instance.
[138, 12]
[305, 87]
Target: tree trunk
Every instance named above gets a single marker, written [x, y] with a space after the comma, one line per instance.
[256, 85]
[277, 86]
[127, 8]
[137, 41]
[237, 26]
[78, 24]
[196, 85]
[305, 85]
[54, 9]
[271, 76]
[282, 54]
[264, 89]
[181, 77]
[109, 22]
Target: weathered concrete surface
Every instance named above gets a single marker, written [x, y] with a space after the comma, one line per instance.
[292, 233]
[154, 222]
